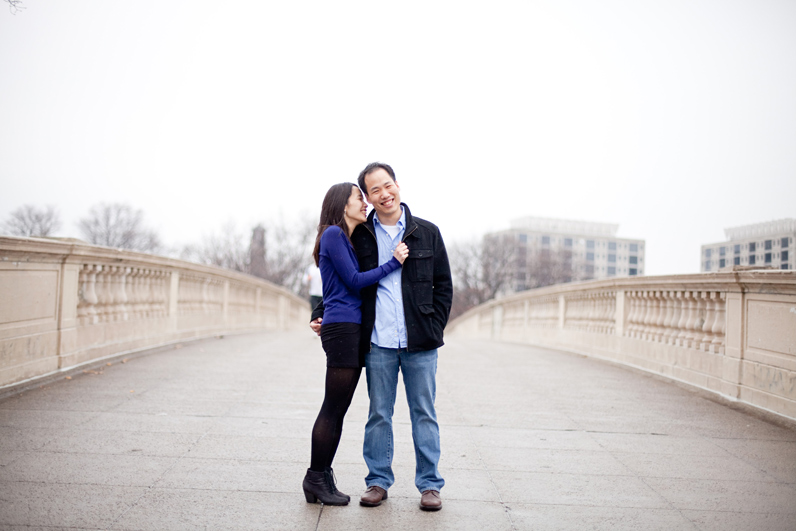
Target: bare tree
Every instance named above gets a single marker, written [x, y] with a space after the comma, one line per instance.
[288, 250]
[547, 267]
[119, 225]
[30, 221]
[278, 252]
[224, 249]
[14, 6]
[480, 270]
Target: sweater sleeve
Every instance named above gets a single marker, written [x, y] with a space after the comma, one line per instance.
[336, 246]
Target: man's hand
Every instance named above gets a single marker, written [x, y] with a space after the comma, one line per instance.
[316, 325]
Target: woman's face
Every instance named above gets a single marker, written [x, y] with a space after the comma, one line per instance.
[356, 210]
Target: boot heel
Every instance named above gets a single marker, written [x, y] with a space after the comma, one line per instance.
[311, 498]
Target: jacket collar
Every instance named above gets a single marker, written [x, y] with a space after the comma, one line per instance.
[410, 222]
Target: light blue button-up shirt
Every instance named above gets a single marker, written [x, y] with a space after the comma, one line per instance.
[389, 331]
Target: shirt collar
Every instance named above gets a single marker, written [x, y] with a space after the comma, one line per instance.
[401, 222]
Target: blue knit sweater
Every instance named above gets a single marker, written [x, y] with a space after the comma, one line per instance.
[342, 279]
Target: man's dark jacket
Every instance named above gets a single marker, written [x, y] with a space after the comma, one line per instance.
[426, 283]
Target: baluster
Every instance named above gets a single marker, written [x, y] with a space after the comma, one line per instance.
[660, 321]
[111, 306]
[611, 317]
[99, 290]
[699, 320]
[682, 299]
[631, 313]
[645, 316]
[82, 303]
[671, 337]
[134, 293]
[667, 311]
[719, 326]
[688, 329]
[91, 294]
[710, 319]
[652, 316]
[121, 294]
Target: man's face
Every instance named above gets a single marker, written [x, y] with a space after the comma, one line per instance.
[384, 194]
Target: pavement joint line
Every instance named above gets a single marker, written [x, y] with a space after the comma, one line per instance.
[318, 522]
[668, 502]
[506, 508]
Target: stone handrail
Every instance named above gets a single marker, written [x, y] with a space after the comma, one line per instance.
[64, 304]
[730, 333]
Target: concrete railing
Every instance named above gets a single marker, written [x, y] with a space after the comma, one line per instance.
[66, 304]
[731, 333]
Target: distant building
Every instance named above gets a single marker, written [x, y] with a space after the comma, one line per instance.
[582, 250]
[767, 244]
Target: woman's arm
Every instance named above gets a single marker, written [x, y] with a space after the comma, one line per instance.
[335, 245]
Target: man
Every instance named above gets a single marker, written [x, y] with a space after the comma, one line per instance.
[403, 317]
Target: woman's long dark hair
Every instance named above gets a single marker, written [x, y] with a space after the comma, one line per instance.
[332, 213]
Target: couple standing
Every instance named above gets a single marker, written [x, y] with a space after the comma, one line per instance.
[387, 294]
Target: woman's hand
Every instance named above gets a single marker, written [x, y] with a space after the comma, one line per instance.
[401, 252]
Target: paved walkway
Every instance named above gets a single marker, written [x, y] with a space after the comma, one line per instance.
[215, 435]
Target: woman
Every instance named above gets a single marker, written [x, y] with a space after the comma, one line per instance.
[343, 209]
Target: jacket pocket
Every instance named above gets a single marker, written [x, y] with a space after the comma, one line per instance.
[419, 266]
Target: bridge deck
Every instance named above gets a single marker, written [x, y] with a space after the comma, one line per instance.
[215, 434]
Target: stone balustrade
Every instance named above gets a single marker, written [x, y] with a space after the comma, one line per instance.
[731, 333]
[64, 304]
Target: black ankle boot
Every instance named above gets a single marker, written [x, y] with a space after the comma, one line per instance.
[333, 482]
[318, 486]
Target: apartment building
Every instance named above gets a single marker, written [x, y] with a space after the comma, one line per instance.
[591, 250]
[764, 245]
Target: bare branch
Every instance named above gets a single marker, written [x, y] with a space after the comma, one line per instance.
[15, 6]
[30, 221]
[118, 225]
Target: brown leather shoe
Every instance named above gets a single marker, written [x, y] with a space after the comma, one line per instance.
[430, 501]
[373, 496]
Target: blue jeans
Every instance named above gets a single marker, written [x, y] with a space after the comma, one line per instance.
[419, 374]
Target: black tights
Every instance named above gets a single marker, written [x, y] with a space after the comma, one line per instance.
[340, 386]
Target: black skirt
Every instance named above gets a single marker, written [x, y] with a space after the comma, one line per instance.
[341, 343]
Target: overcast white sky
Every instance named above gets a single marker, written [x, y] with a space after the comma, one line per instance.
[674, 119]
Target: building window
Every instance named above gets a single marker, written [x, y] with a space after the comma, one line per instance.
[612, 246]
[612, 258]
[545, 240]
[633, 259]
[737, 249]
[722, 262]
[768, 258]
[752, 247]
[784, 256]
[522, 238]
[722, 251]
[590, 257]
[784, 243]
[752, 259]
[768, 245]
[784, 266]
[589, 244]
[708, 252]
[611, 271]
[633, 271]
[707, 265]
[633, 247]
[736, 260]
[589, 269]
[567, 242]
